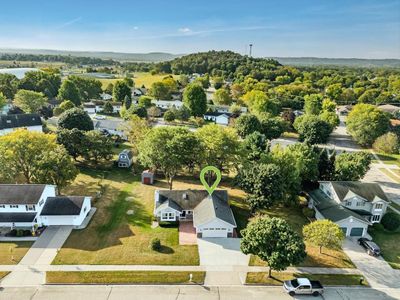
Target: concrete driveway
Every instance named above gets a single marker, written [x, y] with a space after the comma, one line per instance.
[377, 271]
[221, 252]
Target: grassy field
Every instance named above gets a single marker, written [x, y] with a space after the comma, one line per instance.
[124, 277]
[140, 78]
[294, 216]
[113, 236]
[12, 252]
[389, 243]
[326, 279]
[391, 159]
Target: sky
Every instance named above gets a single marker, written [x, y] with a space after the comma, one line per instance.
[285, 28]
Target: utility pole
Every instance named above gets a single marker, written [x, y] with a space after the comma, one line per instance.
[251, 46]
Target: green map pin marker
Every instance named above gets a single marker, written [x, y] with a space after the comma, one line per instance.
[203, 180]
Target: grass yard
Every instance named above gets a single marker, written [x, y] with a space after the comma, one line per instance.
[294, 216]
[124, 277]
[396, 178]
[389, 243]
[113, 236]
[326, 279]
[140, 78]
[12, 252]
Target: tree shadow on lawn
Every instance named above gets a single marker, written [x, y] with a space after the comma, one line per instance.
[166, 250]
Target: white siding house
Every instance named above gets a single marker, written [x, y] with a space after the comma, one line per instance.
[9, 123]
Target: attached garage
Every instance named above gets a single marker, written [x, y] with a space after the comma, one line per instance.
[356, 231]
[353, 227]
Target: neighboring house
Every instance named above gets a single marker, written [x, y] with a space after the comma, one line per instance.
[211, 215]
[116, 107]
[6, 108]
[352, 205]
[112, 126]
[53, 103]
[166, 104]
[27, 205]
[344, 110]
[105, 97]
[139, 92]
[89, 107]
[176, 96]
[218, 118]
[9, 123]
[125, 158]
[225, 108]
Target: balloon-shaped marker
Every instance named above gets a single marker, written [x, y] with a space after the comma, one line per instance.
[210, 189]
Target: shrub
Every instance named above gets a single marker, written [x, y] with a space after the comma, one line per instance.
[308, 212]
[155, 244]
[169, 116]
[387, 143]
[391, 221]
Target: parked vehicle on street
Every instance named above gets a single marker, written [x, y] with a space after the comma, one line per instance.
[303, 286]
[99, 117]
[372, 248]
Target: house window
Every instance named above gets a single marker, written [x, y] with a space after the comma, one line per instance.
[376, 218]
[379, 206]
[41, 202]
[360, 203]
[2, 206]
[168, 216]
[348, 203]
[13, 206]
[29, 207]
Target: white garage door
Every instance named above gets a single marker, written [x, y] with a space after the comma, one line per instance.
[215, 232]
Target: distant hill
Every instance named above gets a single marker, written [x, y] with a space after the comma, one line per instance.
[349, 62]
[135, 57]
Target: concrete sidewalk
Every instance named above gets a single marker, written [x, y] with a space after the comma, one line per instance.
[42, 253]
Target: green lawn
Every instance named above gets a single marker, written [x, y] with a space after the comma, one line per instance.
[12, 252]
[140, 78]
[113, 236]
[294, 216]
[124, 277]
[326, 279]
[389, 243]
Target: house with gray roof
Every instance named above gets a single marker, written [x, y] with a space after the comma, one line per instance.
[9, 123]
[27, 205]
[211, 215]
[352, 205]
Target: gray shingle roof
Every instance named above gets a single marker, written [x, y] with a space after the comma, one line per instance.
[332, 210]
[20, 193]
[186, 199]
[63, 206]
[17, 217]
[367, 190]
[19, 120]
[210, 208]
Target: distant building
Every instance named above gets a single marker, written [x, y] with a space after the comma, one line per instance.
[167, 104]
[89, 107]
[125, 158]
[106, 97]
[9, 123]
[111, 126]
[218, 118]
[390, 109]
[147, 177]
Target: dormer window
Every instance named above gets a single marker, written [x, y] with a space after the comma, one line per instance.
[348, 203]
[360, 203]
[185, 196]
[378, 205]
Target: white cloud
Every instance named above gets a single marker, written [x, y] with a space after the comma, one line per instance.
[135, 27]
[68, 23]
[185, 30]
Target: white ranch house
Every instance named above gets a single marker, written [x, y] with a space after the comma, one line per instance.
[211, 215]
[9, 123]
[218, 118]
[352, 205]
[27, 205]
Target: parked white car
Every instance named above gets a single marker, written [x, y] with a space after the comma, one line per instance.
[99, 117]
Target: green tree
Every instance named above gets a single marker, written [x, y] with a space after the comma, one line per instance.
[274, 241]
[98, 147]
[352, 166]
[263, 183]
[258, 102]
[3, 100]
[160, 90]
[109, 89]
[182, 114]
[8, 85]
[73, 141]
[29, 101]
[387, 143]
[195, 99]
[121, 89]
[221, 146]
[313, 104]
[323, 233]
[247, 124]
[366, 123]
[129, 82]
[46, 82]
[312, 129]
[331, 118]
[135, 129]
[328, 105]
[145, 101]
[334, 91]
[69, 91]
[255, 144]
[218, 82]
[272, 127]
[306, 159]
[108, 108]
[127, 102]
[88, 88]
[75, 118]
[169, 116]
[167, 149]
[222, 97]
[34, 157]
[204, 81]
[66, 104]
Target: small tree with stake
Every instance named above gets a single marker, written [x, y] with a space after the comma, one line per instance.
[323, 233]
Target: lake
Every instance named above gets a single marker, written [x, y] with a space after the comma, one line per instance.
[19, 72]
